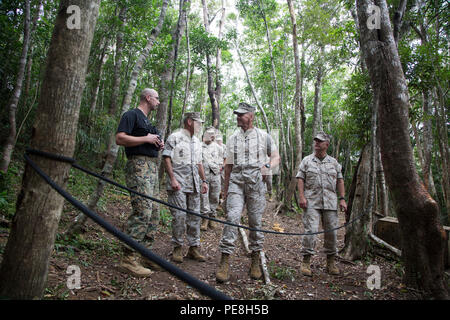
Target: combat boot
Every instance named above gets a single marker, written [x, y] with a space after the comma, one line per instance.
[223, 272]
[255, 268]
[204, 225]
[331, 265]
[177, 254]
[194, 254]
[306, 266]
[130, 264]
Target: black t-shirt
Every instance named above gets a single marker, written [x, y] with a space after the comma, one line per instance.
[135, 123]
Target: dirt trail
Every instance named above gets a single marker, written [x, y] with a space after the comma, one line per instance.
[97, 255]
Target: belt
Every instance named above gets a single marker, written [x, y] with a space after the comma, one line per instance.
[142, 157]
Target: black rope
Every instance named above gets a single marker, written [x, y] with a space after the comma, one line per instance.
[75, 165]
[186, 277]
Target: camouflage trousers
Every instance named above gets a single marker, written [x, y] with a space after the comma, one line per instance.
[185, 223]
[311, 220]
[141, 176]
[254, 197]
[210, 199]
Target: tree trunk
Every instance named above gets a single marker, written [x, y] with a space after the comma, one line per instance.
[418, 214]
[24, 269]
[188, 73]
[98, 77]
[298, 107]
[177, 35]
[165, 91]
[252, 88]
[357, 233]
[10, 141]
[381, 181]
[317, 116]
[212, 93]
[278, 112]
[111, 151]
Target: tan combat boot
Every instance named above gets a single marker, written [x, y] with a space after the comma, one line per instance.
[306, 266]
[130, 264]
[331, 265]
[194, 254]
[177, 254]
[255, 268]
[223, 272]
[204, 225]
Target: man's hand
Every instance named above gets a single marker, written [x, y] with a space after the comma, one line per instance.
[343, 205]
[154, 139]
[303, 203]
[204, 187]
[175, 184]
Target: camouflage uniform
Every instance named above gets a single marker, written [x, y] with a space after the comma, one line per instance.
[141, 176]
[320, 178]
[247, 151]
[186, 153]
[212, 162]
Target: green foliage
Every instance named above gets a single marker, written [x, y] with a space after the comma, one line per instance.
[9, 184]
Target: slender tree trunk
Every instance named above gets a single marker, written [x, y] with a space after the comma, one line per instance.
[298, 106]
[252, 88]
[213, 92]
[398, 19]
[279, 118]
[24, 269]
[357, 233]
[10, 141]
[317, 116]
[418, 214]
[188, 73]
[177, 36]
[98, 77]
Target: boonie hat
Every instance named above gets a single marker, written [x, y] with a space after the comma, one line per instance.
[194, 116]
[322, 136]
[244, 108]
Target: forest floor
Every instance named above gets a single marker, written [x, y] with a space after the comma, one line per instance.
[97, 254]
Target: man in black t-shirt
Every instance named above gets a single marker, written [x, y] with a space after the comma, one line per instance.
[142, 141]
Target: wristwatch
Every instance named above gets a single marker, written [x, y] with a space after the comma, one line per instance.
[204, 181]
[341, 198]
[267, 165]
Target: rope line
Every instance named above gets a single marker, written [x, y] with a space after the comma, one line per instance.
[179, 273]
[75, 165]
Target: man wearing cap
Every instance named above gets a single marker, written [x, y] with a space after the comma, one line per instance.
[212, 163]
[248, 149]
[186, 180]
[142, 143]
[318, 177]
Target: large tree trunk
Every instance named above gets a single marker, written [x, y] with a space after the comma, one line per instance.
[111, 151]
[418, 214]
[25, 263]
[10, 141]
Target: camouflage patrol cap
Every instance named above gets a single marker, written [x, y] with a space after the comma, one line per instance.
[194, 116]
[244, 108]
[322, 136]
